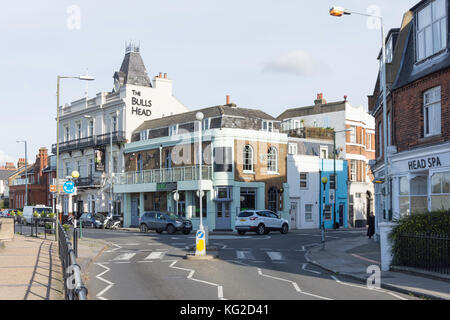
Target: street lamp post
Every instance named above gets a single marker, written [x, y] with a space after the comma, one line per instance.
[324, 182]
[85, 78]
[338, 12]
[200, 237]
[26, 171]
[111, 207]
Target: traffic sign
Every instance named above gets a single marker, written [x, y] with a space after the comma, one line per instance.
[200, 243]
[69, 187]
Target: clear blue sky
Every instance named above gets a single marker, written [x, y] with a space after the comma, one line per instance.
[266, 54]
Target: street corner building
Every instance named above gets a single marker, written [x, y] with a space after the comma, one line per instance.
[244, 166]
[418, 115]
[334, 140]
[93, 132]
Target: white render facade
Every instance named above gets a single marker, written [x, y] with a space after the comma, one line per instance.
[87, 127]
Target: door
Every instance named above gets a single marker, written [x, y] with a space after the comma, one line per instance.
[223, 215]
[182, 209]
[341, 215]
[134, 211]
[294, 212]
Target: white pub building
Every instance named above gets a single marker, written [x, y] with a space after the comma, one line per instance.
[89, 127]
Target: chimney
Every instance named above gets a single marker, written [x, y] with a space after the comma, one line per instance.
[43, 159]
[165, 75]
[160, 75]
[320, 99]
[21, 163]
[228, 100]
[345, 98]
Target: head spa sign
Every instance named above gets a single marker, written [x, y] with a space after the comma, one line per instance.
[426, 163]
[140, 106]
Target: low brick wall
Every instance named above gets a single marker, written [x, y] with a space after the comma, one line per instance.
[6, 229]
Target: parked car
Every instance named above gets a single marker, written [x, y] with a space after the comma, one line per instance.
[261, 222]
[95, 220]
[161, 221]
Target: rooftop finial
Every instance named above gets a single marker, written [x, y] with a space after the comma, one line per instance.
[132, 47]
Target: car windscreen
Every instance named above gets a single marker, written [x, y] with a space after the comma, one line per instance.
[85, 216]
[245, 214]
[174, 216]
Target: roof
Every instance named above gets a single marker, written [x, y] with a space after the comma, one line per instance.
[311, 110]
[210, 112]
[4, 174]
[133, 71]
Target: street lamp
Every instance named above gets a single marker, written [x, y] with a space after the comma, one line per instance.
[84, 78]
[26, 171]
[324, 182]
[200, 247]
[338, 12]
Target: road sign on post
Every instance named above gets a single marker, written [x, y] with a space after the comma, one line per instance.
[69, 187]
[200, 243]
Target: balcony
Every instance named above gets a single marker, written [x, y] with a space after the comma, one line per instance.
[90, 142]
[87, 182]
[164, 175]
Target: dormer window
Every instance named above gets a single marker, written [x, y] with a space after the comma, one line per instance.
[173, 130]
[431, 29]
[267, 126]
[144, 135]
[389, 50]
[205, 124]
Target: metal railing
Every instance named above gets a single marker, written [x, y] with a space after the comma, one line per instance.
[73, 283]
[164, 175]
[423, 251]
[93, 141]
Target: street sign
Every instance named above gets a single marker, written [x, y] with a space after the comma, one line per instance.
[331, 196]
[53, 188]
[200, 243]
[69, 187]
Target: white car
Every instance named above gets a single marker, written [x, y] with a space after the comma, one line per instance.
[261, 222]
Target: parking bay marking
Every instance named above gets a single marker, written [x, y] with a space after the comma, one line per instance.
[155, 255]
[124, 257]
[244, 255]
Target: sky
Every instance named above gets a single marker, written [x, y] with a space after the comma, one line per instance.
[266, 54]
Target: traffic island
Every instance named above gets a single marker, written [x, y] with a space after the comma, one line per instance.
[212, 252]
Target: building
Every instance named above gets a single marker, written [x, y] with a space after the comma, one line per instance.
[310, 158]
[93, 132]
[418, 114]
[357, 146]
[244, 166]
[5, 171]
[39, 177]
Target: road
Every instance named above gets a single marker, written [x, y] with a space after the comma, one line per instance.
[151, 266]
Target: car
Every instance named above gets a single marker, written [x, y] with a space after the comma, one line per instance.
[162, 221]
[28, 212]
[261, 222]
[95, 220]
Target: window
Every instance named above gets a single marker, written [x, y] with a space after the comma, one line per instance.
[431, 29]
[308, 212]
[272, 160]
[173, 130]
[303, 180]
[323, 152]
[168, 159]
[380, 140]
[389, 126]
[352, 170]
[79, 167]
[440, 191]
[352, 134]
[224, 194]
[91, 128]
[267, 126]
[432, 112]
[273, 199]
[296, 124]
[223, 159]
[114, 124]
[78, 131]
[115, 167]
[68, 169]
[197, 205]
[419, 194]
[389, 50]
[327, 212]
[293, 148]
[248, 158]
[66, 133]
[332, 181]
[205, 124]
[369, 141]
[90, 167]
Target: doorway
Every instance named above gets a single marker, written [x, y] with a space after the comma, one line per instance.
[223, 215]
[294, 212]
[135, 211]
[341, 215]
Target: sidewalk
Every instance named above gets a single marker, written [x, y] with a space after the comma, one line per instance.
[88, 250]
[351, 257]
[30, 269]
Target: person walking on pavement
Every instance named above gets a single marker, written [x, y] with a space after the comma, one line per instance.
[371, 224]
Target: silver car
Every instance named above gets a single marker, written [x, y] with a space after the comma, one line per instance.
[161, 221]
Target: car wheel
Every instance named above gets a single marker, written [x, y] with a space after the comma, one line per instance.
[171, 229]
[284, 229]
[186, 231]
[144, 228]
[159, 230]
[240, 232]
[261, 229]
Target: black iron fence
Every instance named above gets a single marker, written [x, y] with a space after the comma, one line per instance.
[423, 251]
[73, 283]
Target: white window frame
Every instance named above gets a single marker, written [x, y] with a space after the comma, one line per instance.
[293, 149]
[144, 135]
[424, 32]
[309, 212]
[352, 134]
[173, 130]
[267, 126]
[353, 170]
[432, 112]
[272, 160]
[90, 128]
[304, 180]
[248, 159]
[66, 133]
[78, 132]
[323, 148]
[206, 123]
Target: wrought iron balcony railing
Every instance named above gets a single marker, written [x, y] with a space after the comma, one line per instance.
[89, 142]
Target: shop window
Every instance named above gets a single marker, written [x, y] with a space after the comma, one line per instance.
[440, 191]
[248, 199]
[404, 196]
[419, 194]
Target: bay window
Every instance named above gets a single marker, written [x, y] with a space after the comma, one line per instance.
[440, 191]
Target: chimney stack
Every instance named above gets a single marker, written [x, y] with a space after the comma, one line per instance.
[165, 75]
[320, 99]
[21, 163]
[228, 100]
[160, 75]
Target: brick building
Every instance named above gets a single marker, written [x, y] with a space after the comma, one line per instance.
[39, 176]
[418, 114]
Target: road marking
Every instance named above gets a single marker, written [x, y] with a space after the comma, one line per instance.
[145, 261]
[110, 284]
[275, 255]
[131, 244]
[124, 256]
[245, 255]
[304, 268]
[115, 249]
[155, 255]
[363, 287]
[366, 259]
[190, 277]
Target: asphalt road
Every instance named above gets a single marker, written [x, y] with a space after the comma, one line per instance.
[152, 267]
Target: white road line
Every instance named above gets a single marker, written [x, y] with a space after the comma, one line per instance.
[124, 256]
[110, 284]
[155, 255]
[273, 255]
[245, 255]
[131, 244]
[304, 268]
[117, 247]
[144, 261]
[363, 287]
[191, 274]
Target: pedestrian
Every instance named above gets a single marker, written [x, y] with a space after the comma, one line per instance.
[371, 224]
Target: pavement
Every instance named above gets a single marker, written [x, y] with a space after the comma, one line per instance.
[351, 257]
[30, 269]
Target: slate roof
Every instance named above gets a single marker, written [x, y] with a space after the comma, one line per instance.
[4, 174]
[311, 110]
[210, 112]
[133, 71]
